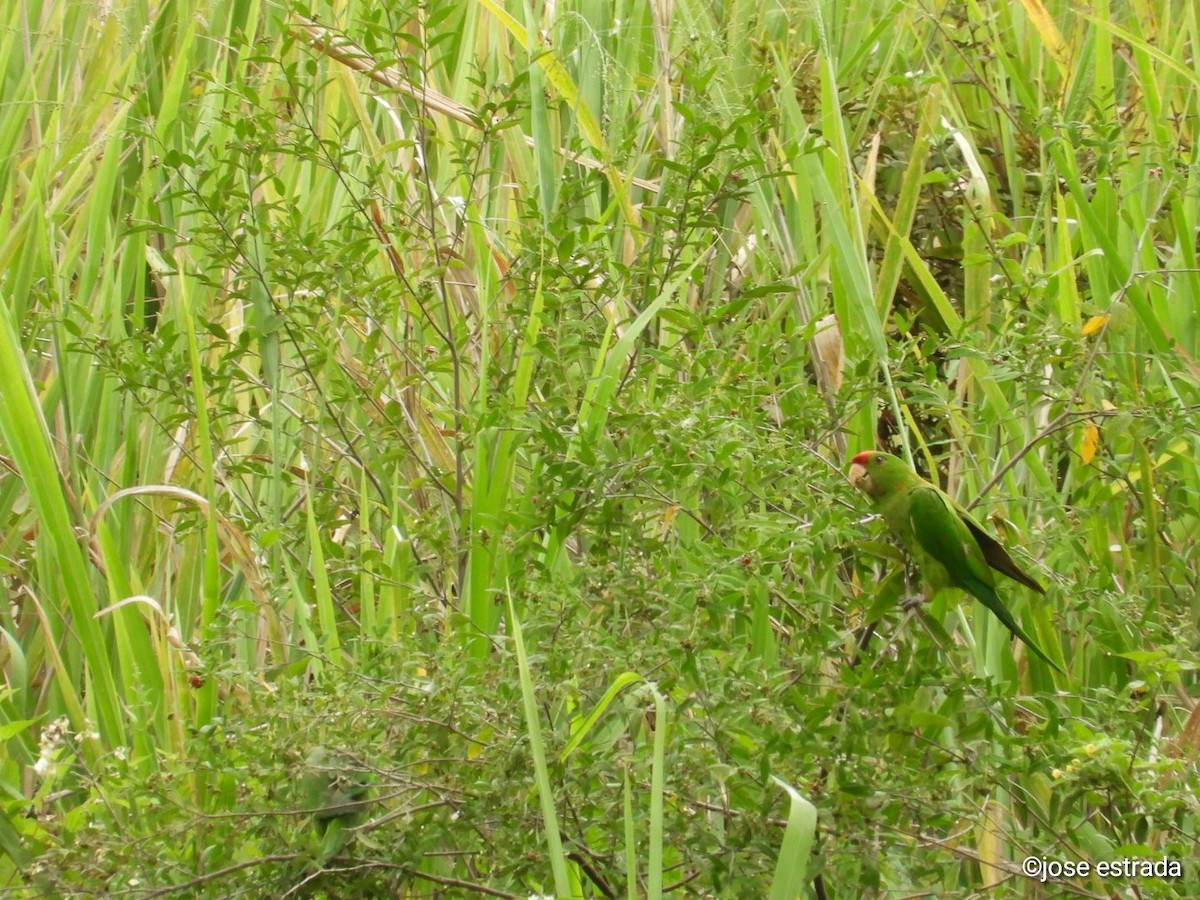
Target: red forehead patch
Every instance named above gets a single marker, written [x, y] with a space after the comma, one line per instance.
[863, 458]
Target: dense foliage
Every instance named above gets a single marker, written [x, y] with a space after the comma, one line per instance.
[445, 406]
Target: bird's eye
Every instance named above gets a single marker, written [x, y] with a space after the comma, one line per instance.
[877, 460]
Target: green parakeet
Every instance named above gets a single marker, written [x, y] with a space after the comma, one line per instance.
[949, 546]
[335, 789]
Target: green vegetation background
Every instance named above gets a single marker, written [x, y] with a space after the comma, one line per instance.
[446, 405]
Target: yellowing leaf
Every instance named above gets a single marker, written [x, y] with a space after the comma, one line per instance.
[1094, 324]
[480, 742]
[1048, 32]
[668, 520]
[1089, 442]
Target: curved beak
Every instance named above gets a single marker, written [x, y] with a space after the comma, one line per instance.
[857, 473]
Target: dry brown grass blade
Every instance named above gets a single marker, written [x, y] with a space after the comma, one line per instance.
[1187, 743]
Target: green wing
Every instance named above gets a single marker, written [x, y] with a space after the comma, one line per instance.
[335, 789]
[995, 554]
[946, 538]
[950, 539]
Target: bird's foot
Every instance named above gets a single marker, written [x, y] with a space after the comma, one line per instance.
[912, 602]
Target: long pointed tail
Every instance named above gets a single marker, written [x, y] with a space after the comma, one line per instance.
[988, 598]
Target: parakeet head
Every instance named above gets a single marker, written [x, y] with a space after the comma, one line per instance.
[876, 473]
[334, 785]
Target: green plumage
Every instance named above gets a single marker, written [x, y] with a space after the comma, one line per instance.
[949, 546]
[335, 789]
